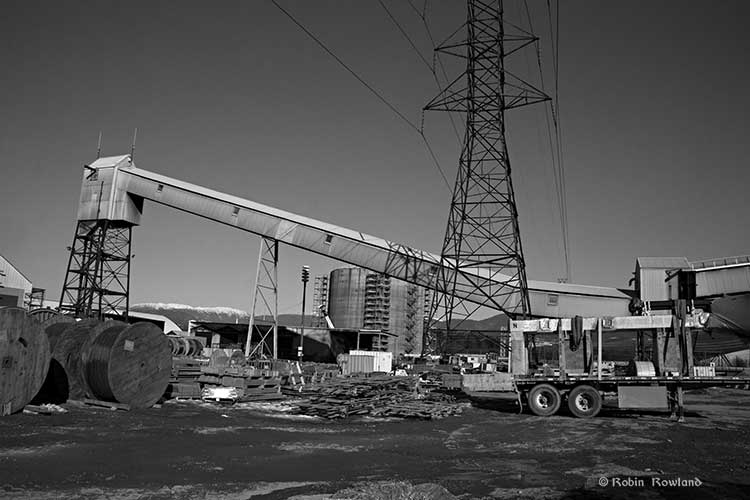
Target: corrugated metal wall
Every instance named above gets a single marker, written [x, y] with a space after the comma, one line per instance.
[11, 277]
[653, 285]
[722, 281]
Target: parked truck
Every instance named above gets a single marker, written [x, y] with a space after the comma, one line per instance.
[661, 367]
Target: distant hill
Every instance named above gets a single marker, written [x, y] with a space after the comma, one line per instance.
[182, 313]
[493, 323]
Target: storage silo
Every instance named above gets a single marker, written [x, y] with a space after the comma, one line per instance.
[346, 297]
[365, 299]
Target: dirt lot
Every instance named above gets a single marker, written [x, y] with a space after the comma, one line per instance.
[190, 450]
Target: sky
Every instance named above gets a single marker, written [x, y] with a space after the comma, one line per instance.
[233, 96]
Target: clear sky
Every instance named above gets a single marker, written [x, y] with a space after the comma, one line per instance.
[233, 96]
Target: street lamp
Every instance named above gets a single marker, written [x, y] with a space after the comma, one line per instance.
[305, 279]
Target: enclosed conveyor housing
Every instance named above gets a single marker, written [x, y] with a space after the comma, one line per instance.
[115, 189]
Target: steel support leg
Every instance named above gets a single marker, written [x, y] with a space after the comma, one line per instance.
[265, 304]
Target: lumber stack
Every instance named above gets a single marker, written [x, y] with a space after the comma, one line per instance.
[251, 383]
[183, 381]
[377, 396]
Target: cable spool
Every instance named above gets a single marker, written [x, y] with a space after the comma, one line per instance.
[218, 359]
[24, 359]
[49, 316]
[177, 345]
[196, 347]
[185, 349]
[129, 365]
[237, 358]
[641, 368]
[56, 388]
[69, 353]
[54, 331]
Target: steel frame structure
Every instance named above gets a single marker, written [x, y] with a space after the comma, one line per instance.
[265, 302]
[113, 192]
[97, 280]
[482, 230]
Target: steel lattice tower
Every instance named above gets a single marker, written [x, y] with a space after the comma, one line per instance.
[97, 281]
[482, 231]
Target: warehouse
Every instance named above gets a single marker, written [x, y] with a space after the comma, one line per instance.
[15, 288]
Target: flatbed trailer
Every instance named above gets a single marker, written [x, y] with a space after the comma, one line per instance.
[545, 396]
[661, 369]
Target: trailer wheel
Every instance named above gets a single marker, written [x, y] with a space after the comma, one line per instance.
[584, 401]
[544, 400]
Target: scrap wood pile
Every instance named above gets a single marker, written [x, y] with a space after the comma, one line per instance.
[377, 396]
[224, 378]
[183, 381]
[251, 383]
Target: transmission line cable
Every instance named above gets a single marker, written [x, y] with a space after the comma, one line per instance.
[406, 35]
[558, 170]
[431, 67]
[368, 86]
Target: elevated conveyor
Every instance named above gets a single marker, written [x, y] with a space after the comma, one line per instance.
[114, 189]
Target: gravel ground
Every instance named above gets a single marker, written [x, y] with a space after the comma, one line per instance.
[190, 450]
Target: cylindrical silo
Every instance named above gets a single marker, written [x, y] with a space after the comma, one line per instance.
[346, 297]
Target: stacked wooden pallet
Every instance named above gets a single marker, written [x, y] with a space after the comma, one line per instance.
[183, 381]
[379, 396]
[251, 384]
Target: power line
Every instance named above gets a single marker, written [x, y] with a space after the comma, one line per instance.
[558, 169]
[345, 66]
[366, 85]
[558, 129]
[436, 58]
[408, 38]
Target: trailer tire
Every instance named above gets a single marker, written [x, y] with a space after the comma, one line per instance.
[584, 402]
[544, 400]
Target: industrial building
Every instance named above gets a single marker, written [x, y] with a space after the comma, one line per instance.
[16, 289]
[360, 299]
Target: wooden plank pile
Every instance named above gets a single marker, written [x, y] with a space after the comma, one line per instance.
[377, 396]
[251, 383]
[183, 381]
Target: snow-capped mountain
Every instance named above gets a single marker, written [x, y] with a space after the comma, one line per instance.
[182, 313]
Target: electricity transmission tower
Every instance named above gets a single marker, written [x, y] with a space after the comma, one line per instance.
[482, 233]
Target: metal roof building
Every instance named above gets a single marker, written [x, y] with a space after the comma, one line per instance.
[14, 286]
[651, 275]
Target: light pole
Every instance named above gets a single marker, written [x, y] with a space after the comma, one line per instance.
[305, 279]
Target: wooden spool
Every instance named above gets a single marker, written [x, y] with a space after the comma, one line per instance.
[55, 388]
[49, 316]
[69, 353]
[129, 365]
[218, 359]
[196, 347]
[237, 358]
[24, 359]
[54, 331]
[175, 344]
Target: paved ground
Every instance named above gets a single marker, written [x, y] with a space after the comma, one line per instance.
[189, 450]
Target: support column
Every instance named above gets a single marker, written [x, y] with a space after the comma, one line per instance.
[265, 303]
[97, 281]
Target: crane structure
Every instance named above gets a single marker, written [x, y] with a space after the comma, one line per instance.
[482, 230]
[113, 192]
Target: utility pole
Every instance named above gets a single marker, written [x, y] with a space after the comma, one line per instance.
[305, 279]
[482, 234]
